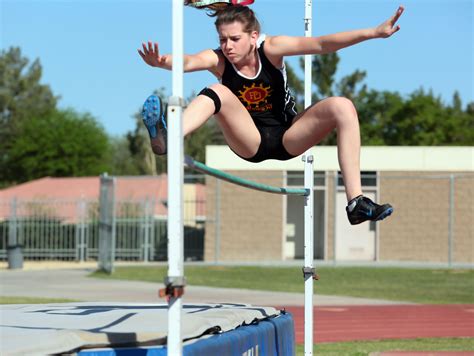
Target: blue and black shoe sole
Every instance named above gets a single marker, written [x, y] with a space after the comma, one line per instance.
[384, 214]
[152, 115]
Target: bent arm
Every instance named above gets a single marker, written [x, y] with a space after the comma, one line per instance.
[204, 60]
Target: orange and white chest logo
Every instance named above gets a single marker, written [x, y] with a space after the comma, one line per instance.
[256, 97]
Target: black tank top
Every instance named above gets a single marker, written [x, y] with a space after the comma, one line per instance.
[266, 97]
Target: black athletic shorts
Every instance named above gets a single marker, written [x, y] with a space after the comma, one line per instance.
[271, 146]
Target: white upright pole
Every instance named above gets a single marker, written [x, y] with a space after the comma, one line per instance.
[175, 280]
[308, 269]
[308, 32]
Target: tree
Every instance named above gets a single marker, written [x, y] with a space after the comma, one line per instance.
[21, 96]
[386, 118]
[462, 122]
[143, 159]
[348, 86]
[120, 157]
[296, 86]
[376, 110]
[324, 68]
[60, 144]
[22, 93]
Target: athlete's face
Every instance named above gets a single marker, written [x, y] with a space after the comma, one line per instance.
[235, 43]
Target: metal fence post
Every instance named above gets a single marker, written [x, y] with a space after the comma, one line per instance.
[451, 220]
[80, 231]
[146, 235]
[334, 229]
[217, 220]
[14, 248]
[153, 233]
[107, 223]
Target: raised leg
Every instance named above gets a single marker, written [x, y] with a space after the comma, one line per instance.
[238, 128]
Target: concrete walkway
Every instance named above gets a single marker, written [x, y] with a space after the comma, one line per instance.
[74, 284]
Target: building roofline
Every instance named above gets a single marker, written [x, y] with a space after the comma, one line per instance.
[373, 158]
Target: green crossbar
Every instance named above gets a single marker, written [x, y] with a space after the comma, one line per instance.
[201, 167]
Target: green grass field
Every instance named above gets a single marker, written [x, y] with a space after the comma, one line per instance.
[360, 348]
[30, 300]
[429, 286]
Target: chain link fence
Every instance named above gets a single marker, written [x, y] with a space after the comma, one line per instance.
[432, 223]
[70, 230]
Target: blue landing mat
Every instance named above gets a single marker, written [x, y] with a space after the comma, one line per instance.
[272, 336]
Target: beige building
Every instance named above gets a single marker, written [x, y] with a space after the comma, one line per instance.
[431, 189]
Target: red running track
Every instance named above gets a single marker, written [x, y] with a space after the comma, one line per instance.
[348, 323]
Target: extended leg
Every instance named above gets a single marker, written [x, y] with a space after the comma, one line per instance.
[238, 128]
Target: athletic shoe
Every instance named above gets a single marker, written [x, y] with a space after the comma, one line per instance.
[154, 120]
[365, 209]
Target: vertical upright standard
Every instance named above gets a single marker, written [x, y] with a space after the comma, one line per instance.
[308, 270]
[175, 280]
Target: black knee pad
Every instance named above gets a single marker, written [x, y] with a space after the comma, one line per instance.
[213, 96]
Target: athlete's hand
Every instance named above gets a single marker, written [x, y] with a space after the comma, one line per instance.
[389, 27]
[151, 55]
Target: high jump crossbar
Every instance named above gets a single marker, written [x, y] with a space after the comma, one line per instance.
[201, 167]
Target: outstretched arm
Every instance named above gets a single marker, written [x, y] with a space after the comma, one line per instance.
[287, 46]
[205, 60]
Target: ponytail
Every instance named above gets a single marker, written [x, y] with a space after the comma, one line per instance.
[214, 7]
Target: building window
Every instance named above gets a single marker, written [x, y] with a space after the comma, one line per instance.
[368, 178]
[296, 178]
